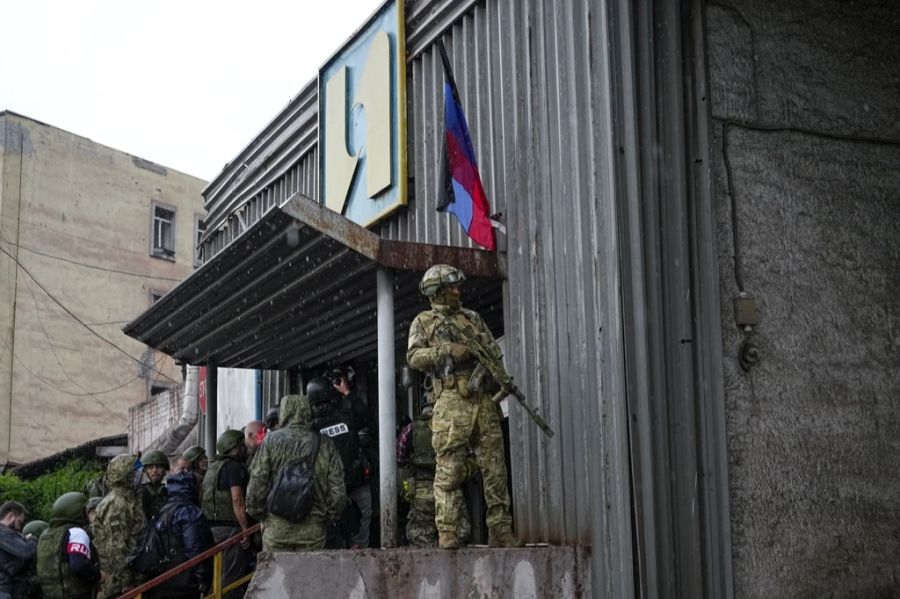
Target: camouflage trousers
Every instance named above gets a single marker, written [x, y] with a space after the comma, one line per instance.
[457, 424]
[421, 530]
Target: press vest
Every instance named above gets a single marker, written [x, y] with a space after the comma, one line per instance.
[338, 426]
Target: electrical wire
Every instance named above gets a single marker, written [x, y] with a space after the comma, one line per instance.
[94, 266]
[76, 318]
[729, 173]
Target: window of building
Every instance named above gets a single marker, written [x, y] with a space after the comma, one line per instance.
[162, 234]
[155, 296]
[200, 228]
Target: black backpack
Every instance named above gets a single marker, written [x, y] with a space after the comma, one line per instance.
[155, 549]
[293, 493]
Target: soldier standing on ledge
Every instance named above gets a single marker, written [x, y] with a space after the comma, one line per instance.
[464, 415]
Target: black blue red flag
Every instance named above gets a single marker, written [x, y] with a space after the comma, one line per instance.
[461, 192]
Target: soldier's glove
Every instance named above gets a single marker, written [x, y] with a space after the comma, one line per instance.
[458, 352]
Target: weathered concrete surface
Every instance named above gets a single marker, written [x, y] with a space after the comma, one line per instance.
[523, 573]
[77, 216]
[827, 65]
[813, 429]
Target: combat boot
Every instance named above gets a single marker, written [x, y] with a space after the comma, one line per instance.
[503, 536]
[448, 540]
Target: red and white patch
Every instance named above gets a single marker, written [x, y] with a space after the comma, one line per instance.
[79, 542]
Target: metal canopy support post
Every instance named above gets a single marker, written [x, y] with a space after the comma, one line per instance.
[212, 409]
[387, 409]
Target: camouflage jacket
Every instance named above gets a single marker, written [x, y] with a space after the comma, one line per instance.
[118, 522]
[96, 487]
[291, 443]
[426, 351]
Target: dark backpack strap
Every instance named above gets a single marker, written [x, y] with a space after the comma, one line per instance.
[165, 516]
[61, 553]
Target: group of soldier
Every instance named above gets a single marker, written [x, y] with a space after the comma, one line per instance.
[87, 542]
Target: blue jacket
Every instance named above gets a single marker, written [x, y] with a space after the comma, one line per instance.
[188, 525]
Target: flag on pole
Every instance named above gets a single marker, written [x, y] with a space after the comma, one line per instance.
[460, 191]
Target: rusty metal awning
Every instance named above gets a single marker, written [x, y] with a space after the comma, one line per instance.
[298, 289]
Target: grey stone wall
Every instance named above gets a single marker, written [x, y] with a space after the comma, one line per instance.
[806, 108]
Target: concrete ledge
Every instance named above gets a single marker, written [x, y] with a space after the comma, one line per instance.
[527, 572]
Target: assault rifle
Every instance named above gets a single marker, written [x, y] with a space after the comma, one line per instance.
[490, 361]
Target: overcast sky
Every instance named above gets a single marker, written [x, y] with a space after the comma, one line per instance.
[184, 83]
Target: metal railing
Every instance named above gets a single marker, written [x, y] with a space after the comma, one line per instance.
[216, 553]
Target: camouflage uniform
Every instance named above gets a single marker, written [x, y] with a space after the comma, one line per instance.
[462, 419]
[96, 487]
[420, 528]
[291, 443]
[118, 524]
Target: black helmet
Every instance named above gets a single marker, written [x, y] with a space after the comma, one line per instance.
[319, 390]
[271, 419]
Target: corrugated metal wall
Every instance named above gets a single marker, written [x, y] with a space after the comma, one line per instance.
[534, 81]
[576, 115]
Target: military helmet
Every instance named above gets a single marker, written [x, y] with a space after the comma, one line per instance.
[439, 276]
[319, 390]
[69, 507]
[155, 458]
[271, 419]
[192, 454]
[92, 503]
[35, 528]
[228, 441]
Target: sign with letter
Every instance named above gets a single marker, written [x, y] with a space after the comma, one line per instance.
[362, 120]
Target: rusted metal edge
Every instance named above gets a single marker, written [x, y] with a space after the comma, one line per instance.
[404, 255]
[331, 224]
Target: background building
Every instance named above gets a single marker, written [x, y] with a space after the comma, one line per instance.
[89, 238]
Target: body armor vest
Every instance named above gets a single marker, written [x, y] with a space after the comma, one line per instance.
[53, 566]
[338, 426]
[216, 502]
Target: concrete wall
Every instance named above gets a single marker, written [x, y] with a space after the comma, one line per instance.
[84, 235]
[807, 138]
[526, 573]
